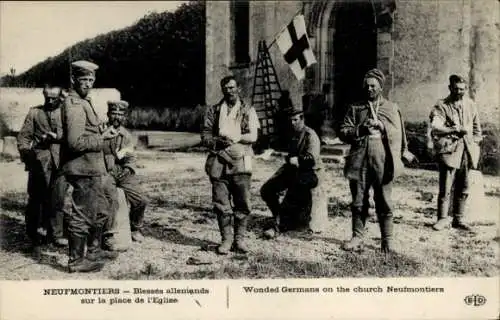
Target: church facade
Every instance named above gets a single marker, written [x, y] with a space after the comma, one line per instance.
[417, 44]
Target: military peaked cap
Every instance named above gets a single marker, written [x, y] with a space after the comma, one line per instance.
[83, 68]
[119, 106]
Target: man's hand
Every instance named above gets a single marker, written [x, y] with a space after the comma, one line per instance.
[125, 172]
[294, 161]
[462, 130]
[126, 152]
[109, 133]
[223, 142]
[376, 124]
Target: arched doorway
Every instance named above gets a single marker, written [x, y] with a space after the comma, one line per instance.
[354, 52]
[345, 43]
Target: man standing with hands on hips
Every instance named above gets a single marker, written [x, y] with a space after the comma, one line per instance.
[374, 129]
[229, 129]
[82, 162]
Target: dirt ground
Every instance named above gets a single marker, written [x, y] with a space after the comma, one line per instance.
[180, 225]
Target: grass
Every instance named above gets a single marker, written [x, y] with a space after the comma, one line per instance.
[180, 227]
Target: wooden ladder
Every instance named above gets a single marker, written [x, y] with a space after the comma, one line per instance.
[266, 91]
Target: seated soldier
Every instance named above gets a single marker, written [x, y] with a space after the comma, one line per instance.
[120, 164]
[298, 176]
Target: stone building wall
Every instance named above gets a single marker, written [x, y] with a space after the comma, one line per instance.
[431, 40]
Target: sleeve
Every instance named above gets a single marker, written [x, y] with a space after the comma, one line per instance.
[349, 131]
[25, 137]
[78, 139]
[253, 126]
[207, 138]
[311, 154]
[129, 161]
[437, 118]
[476, 125]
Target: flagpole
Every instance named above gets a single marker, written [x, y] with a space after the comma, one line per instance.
[276, 34]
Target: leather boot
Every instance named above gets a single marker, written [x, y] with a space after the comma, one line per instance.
[458, 218]
[94, 250]
[386, 231]
[240, 228]
[77, 261]
[226, 231]
[443, 219]
[358, 221]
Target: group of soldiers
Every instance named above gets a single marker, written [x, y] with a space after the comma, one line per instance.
[374, 129]
[75, 164]
[80, 162]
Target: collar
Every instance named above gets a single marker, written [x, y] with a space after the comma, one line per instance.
[73, 93]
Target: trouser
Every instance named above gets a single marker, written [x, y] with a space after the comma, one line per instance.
[135, 197]
[371, 175]
[61, 206]
[295, 210]
[91, 205]
[33, 215]
[456, 179]
[235, 188]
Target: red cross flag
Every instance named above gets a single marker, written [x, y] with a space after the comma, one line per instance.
[294, 45]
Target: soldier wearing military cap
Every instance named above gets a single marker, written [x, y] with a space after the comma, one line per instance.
[121, 165]
[374, 129]
[456, 133]
[82, 163]
[298, 176]
[39, 143]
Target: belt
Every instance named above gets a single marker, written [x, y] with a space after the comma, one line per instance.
[375, 136]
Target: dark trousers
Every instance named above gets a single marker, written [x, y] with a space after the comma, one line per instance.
[295, 209]
[61, 206]
[40, 211]
[34, 214]
[372, 173]
[456, 179]
[91, 205]
[135, 197]
[231, 194]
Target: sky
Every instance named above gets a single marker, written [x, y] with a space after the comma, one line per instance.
[33, 31]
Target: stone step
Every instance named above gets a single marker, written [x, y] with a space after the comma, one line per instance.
[333, 159]
[335, 150]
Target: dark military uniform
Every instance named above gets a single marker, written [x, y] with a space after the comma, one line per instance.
[41, 157]
[82, 163]
[295, 210]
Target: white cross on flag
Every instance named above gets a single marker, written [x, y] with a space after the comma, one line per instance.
[294, 45]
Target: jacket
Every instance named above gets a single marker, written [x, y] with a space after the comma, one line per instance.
[394, 138]
[450, 148]
[113, 164]
[82, 150]
[36, 152]
[221, 159]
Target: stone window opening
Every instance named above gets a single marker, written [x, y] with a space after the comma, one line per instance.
[240, 20]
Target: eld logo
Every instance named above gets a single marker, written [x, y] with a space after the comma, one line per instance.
[475, 300]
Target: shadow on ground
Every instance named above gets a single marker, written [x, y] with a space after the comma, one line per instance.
[259, 266]
[14, 240]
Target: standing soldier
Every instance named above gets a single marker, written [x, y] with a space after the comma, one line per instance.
[456, 133]
[82, 161]
[229, 130]
[121, 165]
[374, 129]
[298, 176]
[39, 146]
